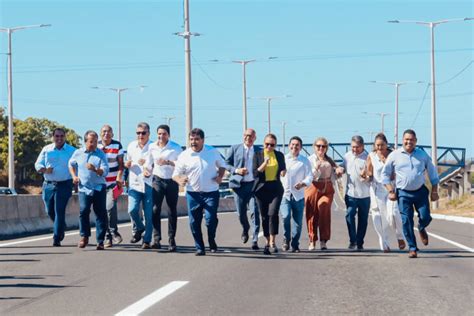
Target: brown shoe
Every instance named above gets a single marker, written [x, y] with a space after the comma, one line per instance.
[412, 254]
[100, 246]
[146, 245]
[424, 237]
[401, 244]
[386, 250]
[83, 242]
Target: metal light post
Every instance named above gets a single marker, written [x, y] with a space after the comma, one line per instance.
[168, 120]
[431, 25]
[187, 60]
[119, 95]
[244, 89]
[269, 101]
[11, 152]
[283, 126]
[397, 86]
[382, 116]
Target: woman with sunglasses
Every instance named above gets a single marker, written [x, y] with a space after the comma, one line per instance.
[385, 213]
[269, 165]
[319, 195]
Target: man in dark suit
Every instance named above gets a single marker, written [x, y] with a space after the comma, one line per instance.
[240, 159]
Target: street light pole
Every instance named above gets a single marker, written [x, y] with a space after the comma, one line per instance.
[431, 25]
[168, 120]
[283, 125]
[382, 116]
[269, 100]
[187, 60]
[397, 88]
[244, 89]
[119, 95]
[11, 150]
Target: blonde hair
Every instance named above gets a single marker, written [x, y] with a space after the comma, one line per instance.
[329, 159]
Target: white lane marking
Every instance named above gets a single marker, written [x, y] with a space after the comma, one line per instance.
[459, 219]
[152, 299]
[77, 233]
[450, 242]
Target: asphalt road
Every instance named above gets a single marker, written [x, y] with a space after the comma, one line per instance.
[36, 278]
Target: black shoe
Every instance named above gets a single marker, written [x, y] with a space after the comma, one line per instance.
[266, 250]
[255, 246]
[172, 245]
[274, 249]
[285, 246]
[156, 245]
[137, 236]
[200, 253]
[117, 239]
[352, 246]
[245, 237]
[360, 248]
[213, 246]
[56, 243]
[146, 245]
[295, 249]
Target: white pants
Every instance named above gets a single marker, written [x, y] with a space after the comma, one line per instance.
[385, 216]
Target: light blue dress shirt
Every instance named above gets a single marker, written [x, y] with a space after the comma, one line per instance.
[409, 169]
[354, 165]
[90, 181]
[52, 157]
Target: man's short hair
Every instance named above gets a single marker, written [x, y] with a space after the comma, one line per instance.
[165, 127]
[409, 131]
[197, 132]
[89, 132]
[144, 125]
[358, 139]
[59, 129]
[296, 138]
[107, 127]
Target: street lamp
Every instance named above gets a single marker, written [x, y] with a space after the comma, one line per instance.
[119, 94]
[397, 86]
[244, 89]
[382, 116]
[187, 60]
[11, 153]
[431, 25]
[269, 100]
[168, 120]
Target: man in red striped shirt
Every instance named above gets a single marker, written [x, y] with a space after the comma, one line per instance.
[114, 152]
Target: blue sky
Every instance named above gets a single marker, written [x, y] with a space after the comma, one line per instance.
[327, 51]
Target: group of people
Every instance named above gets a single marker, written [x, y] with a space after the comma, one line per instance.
[390, 184]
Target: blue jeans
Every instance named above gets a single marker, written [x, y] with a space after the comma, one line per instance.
[292, 212]
[418, 199]
[146, 199]
[55, 198]
[197, 202]
[243, 198]
[360, 207]
[97, 200]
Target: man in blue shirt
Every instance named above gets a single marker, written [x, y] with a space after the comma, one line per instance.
[88, 167]
[409, 164]
[52, 162]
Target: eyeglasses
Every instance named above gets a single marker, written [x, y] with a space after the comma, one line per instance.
[142, 133]
[248, 135]
[269, 145]
[320, 146]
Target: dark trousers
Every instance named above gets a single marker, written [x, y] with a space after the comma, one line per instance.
[97, 201]
[55, 197]
[244, 199]
[407, 202]
[361, 208]
[268, 200]
[197, 203]
[164, 188]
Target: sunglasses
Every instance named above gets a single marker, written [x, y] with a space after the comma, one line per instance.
[269, 145]
[142, 133]
[320, 146]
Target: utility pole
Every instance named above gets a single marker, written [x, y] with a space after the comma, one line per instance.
[244, 90]
[11, 151]
[269, 101]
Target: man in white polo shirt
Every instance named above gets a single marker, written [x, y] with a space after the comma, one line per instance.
[200, 168]
[140, 189]
[160, 162]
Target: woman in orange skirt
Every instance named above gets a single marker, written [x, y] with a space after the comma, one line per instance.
[319, 195]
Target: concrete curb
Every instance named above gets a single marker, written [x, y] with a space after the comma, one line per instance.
[458, 219]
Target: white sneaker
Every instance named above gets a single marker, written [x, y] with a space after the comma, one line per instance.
[311, 246]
